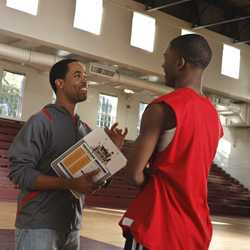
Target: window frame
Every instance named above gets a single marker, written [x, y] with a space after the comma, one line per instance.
[224, 60]
[25, 11]
[139, 120]
[154, 36]
[85, 30]
[98, 103]
[20, 106]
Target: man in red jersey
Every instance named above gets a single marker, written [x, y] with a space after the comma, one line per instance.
[178, 138]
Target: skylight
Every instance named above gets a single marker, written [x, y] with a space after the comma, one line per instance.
[230, 61]
[143, 32]
[186, 32]
[28, 6]
[88, 15]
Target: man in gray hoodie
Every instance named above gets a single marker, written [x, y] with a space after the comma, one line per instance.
[48, 215]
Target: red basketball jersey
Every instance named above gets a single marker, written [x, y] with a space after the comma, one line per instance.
[171, 211]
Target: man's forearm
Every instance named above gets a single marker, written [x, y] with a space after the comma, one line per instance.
[44, 182]
[82, 184]
[137, 179]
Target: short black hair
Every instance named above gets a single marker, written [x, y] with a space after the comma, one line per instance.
[193, 48]
[59, 71]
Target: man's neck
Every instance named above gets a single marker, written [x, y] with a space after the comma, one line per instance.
[192, 81]
[67, 105]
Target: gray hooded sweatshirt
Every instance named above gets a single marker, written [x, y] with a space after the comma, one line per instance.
[42, 139]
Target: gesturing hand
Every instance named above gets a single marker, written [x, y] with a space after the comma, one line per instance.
[117, 135]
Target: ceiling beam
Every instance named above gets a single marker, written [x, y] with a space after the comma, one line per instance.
[232, 20]
[235, 41]
[150, 9]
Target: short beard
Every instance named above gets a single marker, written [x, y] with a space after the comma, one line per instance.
[81, 99]
[78, 99]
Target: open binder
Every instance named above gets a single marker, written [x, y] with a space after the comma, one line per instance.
[95, 151]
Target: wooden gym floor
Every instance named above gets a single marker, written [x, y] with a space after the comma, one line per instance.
[101, 232]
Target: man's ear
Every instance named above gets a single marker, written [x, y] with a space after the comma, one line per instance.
[59, 83]
[181, 63]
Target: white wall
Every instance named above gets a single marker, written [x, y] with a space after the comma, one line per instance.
[215, 80]
[127, 112]
[37, 93]
[53, 26]
[235, 156]
[36, 88]
[113, 44]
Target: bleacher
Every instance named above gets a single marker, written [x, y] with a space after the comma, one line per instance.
[226, 196]
[8, 131]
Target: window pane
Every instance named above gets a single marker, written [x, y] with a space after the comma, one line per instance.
[88, 15]
[11, 93]
[186, 32]
[230, 61]
[28, 6]
[142, 107]
[53, 97]
[143, 32]
[107, 110]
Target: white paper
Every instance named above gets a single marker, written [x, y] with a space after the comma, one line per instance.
[95, 151]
